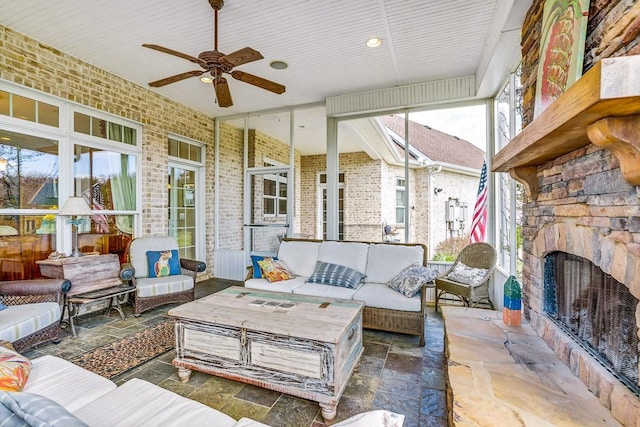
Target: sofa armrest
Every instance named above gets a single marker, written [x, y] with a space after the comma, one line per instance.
[31, 291]
[127, 271]
[249, 273]
[193, 265]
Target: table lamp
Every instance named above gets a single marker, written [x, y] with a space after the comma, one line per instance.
[75, 206]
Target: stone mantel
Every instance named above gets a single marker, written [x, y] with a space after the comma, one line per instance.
[602, 107]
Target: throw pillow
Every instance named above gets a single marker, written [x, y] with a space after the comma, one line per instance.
[274, 271]
[29, 409]
[257, 271]
[163, 263]
[464, 274]
[14, 370]
[410, 280]
[335, 275]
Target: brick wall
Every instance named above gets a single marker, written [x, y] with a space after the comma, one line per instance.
[27, 62]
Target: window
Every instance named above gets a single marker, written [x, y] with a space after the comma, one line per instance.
[25, 108]
[274, 193]
[105, 129]
[28, 194]
[184, 150]
[401, 197]
[509, 193]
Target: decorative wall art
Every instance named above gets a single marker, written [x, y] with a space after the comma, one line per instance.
[563, 33]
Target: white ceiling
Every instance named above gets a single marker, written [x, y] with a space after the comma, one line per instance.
[322, 41]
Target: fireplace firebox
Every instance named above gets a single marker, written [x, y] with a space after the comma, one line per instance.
[596, 310]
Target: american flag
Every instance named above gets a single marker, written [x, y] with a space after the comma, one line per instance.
[479, 221]
[94, 198]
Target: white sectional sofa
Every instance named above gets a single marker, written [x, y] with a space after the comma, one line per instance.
[385, 308]
[97, 401]
[59, 393]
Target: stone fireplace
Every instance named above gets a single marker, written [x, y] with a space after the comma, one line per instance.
[580, 166]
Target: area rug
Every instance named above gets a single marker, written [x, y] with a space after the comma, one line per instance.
[118, 357]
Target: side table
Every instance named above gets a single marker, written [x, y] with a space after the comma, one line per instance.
[87, 274]
[115, 294]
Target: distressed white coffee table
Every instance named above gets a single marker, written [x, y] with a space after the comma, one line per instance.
[300, 345]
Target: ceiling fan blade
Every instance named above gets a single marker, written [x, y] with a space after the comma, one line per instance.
[176, 78]
[240, 57]
[223, 95]
[163, 49]
[258, 81]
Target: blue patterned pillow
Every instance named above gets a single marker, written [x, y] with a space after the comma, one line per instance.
[29, 409]
[335, 275]
[163, 263]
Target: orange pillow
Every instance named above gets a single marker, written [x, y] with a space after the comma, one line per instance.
[274, 271]
[14, 370]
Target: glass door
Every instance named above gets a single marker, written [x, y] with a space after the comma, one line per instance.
[183, 204]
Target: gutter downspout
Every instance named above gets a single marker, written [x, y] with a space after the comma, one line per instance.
[432, 170]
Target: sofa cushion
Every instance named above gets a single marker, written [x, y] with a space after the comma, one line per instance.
[142, 404]
[283, 286]
[163, 263]
[14, 370]
[300, 257]
[349, 254]
[19, 321]
[410, 280]
[379, 295]
[316, 289]
[335, 275]
[68, 384]
[28, 409]
[385, 261]
[150, 287]
[274, 270]
[462, 273]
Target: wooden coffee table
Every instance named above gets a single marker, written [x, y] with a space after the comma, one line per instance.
[300, 345]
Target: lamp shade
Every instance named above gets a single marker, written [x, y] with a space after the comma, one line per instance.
[75, 206]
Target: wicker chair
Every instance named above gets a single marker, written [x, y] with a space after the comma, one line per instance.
[40, 294]
[476, 255]
[152, 292]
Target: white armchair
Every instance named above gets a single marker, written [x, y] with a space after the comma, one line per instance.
[157, 272]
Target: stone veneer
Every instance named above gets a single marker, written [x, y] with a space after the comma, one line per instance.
[584, 205]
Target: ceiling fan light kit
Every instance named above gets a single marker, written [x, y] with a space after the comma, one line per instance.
[216, 64]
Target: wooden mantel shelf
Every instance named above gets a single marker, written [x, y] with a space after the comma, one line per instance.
[602, 107]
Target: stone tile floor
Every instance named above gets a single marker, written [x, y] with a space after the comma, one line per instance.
[394, 373]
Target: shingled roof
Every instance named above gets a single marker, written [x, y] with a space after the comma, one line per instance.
[437, 146]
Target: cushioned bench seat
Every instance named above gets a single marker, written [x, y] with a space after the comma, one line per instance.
[18, 321]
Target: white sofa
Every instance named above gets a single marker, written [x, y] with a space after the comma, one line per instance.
[385, 308]
[74, 396]
[97, 401]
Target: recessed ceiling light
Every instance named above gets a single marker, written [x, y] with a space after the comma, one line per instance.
[279, 65]
[205, 79]
[374, 42]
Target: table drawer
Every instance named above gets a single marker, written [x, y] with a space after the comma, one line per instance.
[278, 357]
[212, 344]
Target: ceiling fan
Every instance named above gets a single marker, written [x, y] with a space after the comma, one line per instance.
[216, 64]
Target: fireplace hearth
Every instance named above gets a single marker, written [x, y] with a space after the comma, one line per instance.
[596, 310]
